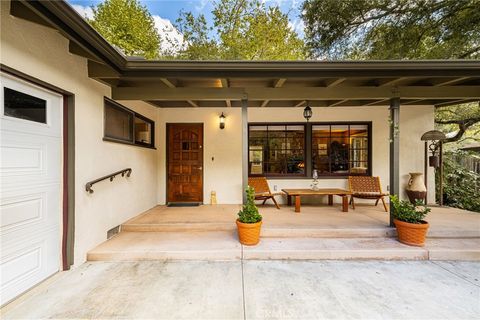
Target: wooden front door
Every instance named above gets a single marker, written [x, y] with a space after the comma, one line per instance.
[185, 162]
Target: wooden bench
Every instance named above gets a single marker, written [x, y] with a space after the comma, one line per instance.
[298, 193]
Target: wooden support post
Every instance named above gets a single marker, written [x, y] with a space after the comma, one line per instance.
[440, 196]
[425, 169]
[394, 151]
[244, 149]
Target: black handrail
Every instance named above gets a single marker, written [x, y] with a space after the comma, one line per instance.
[88, 186]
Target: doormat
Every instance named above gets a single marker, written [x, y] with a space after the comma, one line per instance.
[183, 204]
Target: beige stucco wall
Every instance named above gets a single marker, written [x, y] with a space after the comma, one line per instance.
[415, 121]
[224, 173]
[43, 53]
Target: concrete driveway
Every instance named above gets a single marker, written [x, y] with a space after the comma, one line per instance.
[257, 290]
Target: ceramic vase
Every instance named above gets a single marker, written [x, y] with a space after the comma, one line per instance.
[416, 189]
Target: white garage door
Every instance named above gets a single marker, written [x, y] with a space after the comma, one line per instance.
[30, 195]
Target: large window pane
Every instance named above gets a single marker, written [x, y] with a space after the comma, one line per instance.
[277, 150]
[118, 123]
[24, 106]
[143, 131]
[340, 149]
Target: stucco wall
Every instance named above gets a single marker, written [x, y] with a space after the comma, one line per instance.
[224, 173]
[43, 53]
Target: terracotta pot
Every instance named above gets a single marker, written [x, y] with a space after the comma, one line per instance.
[412, 234]
[416, 189]
[249, 233]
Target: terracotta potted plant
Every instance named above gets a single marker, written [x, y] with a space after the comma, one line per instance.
[249, 221]
[408, 219]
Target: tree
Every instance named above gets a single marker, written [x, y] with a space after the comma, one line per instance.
[128, 25]
[461, 121]
[242, 30]
[400, 29]
[392, 29]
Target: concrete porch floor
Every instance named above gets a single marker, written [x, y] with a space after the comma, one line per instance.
[366, 220]
[318, 232]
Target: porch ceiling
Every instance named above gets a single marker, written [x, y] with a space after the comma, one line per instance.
[263, 83]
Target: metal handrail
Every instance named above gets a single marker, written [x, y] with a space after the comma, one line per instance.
[88, 186]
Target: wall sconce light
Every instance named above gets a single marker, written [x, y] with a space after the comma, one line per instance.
[222, 121]
[307, 112]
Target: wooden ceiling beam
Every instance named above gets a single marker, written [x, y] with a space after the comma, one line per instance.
[333, 104]
[334, 82]
[225, 84]
[389, 82]
[375, 102]
[449, 103]
[192, 103]
[299, 94]
[276, 84]
[301, 103]
[412, 102]
[443, 82]
[168, 83]
[279, 83]
[101, 71]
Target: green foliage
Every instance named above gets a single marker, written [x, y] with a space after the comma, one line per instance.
[392, 29]
[243, 30]
[249, 212]
[461, 123]
[404, 210]
[461, 187]
[128, 25]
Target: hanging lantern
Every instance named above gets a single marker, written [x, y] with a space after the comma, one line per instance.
[307, 112]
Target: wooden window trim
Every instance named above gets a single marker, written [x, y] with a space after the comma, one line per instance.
[134, 114]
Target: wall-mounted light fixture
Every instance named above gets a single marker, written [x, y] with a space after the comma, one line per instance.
[307, 112]
[222, 121]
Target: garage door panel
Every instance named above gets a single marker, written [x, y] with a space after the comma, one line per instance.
[26, 212]
[27, 158]
[27, 263]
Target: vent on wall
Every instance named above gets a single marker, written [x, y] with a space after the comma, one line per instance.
[113, 231]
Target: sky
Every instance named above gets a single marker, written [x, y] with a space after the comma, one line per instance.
[165, 12]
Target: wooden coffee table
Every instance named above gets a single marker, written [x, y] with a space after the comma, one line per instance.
[298, 193]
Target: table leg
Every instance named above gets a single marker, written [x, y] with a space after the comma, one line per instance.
[345, 203]
[297, 203]
[289, 200]
[330, 200]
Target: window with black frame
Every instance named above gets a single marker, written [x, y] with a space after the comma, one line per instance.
[277, 150]
[341, 149]
[126, 126]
